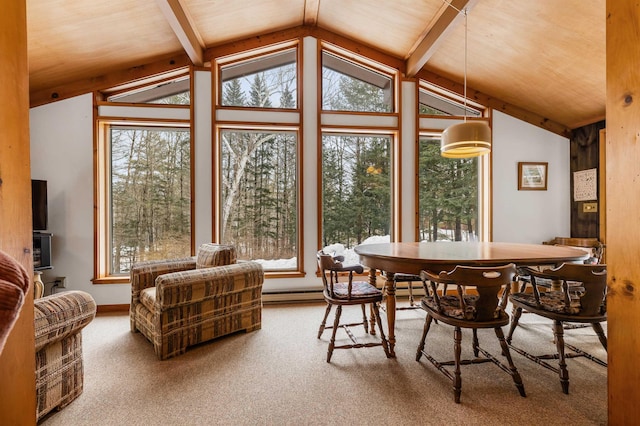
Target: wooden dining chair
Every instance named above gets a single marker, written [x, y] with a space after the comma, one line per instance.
[404, 278]
[479, 303]
[592, 246]
[582, 299]
[594, 250]
[344, 293]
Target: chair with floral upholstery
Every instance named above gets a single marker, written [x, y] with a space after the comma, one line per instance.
[484, 308]
[346, 293]
[581, 299]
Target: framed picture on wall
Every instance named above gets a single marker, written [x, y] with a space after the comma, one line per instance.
[532, 176]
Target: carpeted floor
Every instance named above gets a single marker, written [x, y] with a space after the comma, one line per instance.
[278, 376]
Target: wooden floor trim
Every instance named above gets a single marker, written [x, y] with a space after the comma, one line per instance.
[103, 309]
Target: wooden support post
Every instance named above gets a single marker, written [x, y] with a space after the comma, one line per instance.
[623, 205]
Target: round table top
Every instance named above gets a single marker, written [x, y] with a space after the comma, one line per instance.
[413, 257]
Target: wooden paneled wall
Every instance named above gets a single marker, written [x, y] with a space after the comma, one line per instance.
[17, 361]
[623, 209]
[585, 155]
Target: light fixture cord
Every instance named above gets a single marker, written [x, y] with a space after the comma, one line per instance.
[464, 12]
[465, 64]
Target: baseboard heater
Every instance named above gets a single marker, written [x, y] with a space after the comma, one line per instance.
[316, 295]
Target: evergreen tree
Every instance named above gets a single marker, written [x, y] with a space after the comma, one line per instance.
[448, 196]
[150, 195]
[232, 93]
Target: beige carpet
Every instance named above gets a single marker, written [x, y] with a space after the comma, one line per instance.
[278, 376]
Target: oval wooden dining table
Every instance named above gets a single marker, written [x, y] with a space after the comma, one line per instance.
[413, 257]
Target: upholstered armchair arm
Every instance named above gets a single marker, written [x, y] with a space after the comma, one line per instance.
[61, 314]
[187, 287]
[144, 274]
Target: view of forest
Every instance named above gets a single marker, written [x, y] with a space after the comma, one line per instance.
[150, 195]
[150, 188]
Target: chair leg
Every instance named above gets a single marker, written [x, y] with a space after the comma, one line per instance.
[515, 317]
[324, 320]
[336, 324]
[476, 352]
[411, 301]
[372, 320]
[364, 319]
[385, 344]
[597, 327]
[457, 349]
[558, 334]
[427, 324]
[514, 371]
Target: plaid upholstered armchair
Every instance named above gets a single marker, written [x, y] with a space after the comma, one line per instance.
[59, 320]
[179, 303]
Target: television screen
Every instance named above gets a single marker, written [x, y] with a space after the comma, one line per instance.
[39, 204]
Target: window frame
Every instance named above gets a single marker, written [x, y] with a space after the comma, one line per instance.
[432, 126]
[363, 122]
[141, 86]
[107, 114]
[239, 118]
[248, 56]
[358, 61]
[393, 136]
[217, 171]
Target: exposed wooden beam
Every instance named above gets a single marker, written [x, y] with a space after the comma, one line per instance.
[587, 121]
[180, 21]
[311, 8]
[106, 81]
[496, 104]
[448, 17]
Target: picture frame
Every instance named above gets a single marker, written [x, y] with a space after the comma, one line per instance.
[532, 176]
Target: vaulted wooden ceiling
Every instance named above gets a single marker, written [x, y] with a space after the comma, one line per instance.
[543, 60]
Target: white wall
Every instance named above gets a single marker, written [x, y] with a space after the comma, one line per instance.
[529, 216]
[62, 154]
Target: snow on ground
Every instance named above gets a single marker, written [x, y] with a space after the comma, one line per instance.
[337, 249]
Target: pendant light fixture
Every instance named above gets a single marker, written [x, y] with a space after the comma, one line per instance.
[469, 138]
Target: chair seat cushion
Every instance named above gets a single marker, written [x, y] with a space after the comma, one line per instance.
[406, 278]
[148, 298]
[451, 307]
[552, 301]
[359, 289]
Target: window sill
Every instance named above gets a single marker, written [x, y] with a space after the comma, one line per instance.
[111, 280]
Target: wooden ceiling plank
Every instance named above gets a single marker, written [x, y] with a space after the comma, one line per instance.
[311, 8]
[182, 24]
[359, 48]
[496, 104]
[426, 47]
[256, 42]
[105, 81]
